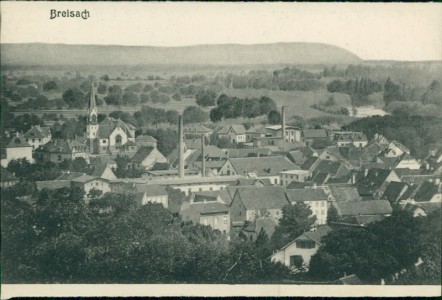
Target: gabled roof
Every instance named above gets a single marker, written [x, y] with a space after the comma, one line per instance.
[319, 177]
[262, 166]
[151, 190]
[426, 191]
[62, 146]
[256, 198]
[350, 280]
[308, 164]
[237, 129]
[108, 125]
[298, 185]
[84, 178]
[348, 193]
[99, 170]
[193, 143]
[69, 176]
[267, 224]
[141, 154]
[316, 236]
[373, 181]
[38, 132]
[400, 146]
[314, 133]
[53, 184]
[17, 142]
[367, 207]
[145, 138]
[238, 153]
[394, 191]
[196, 128]
[301, 195]
[194, 211]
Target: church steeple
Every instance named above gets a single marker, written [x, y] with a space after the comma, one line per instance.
[92, 109]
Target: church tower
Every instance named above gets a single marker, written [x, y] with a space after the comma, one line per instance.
[92, 118]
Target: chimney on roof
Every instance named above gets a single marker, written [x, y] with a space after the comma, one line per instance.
[203, 158]
[180, 148]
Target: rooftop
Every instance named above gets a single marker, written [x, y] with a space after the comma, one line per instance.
[301, 195]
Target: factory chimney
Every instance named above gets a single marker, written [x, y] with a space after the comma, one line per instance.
[180, 148]
[283, 128]
[203, 158]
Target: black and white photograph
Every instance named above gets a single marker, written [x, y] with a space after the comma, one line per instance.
[221, 149]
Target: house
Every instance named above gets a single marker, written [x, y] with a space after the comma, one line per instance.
[375, 181]
[414, 176]
[300, 155]
[37, 136]
[313, 136]
[335, 169]
[68, 175]
[234, 133]
[310, 163]
[297, 175]
[169, 174]
[87, 183]
[17, 148]
[253, 152]
[146, 158]
[145, 141]
[433, 162]
[394, 191]
[396, 149]
[104, 172]
[253, 182]
[255, 132]
[363, 212]
[197, 129]
[151, 193]
[7, 179]
[260, 167]
[408, 162]
[304, 246]
[210, 211]
[347, 138]
[343, 193]
[422, 209]
[316, 199]
[58, 150]
[292, 134]
[429, 191]
[250, 203]
[104, 160]
[194, 144]
[266, 224]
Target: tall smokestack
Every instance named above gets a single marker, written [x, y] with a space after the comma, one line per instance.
[203, 158]
[180, 148]
[283, 128]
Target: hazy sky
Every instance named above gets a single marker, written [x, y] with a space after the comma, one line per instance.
[371, 31]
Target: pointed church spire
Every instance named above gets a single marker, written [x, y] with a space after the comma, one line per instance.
[92, 109]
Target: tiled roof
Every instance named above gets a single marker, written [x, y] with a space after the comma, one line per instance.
[237, 129]
[193, 143]
[17, 142]
[62, 146]
[400, 146]
[151, 190]
[37, 132]
[319, 177]
[327, 166]
[349, 193]
[107, 126]
[301, 195]
[368, 207]
[69, 175]
[373, 181]
[238, 153]
[316, 236]
[141, 154]
[194, 211]
[53, 184]
[267, 224]
[298, 185]
[426, 191]
[84, 178]
[262, 166]
[269, 197]
[309, 163]
[394, 191]
[145, 138]
[314, 133]
[223, 194]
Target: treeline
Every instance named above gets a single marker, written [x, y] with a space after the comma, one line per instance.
[358, 89]
[419, 134]
[330, 106]
[234, 107]
[61, 239]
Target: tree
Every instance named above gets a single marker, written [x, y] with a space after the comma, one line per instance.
[206, 98]
[274, 117]
[296, 219]
[194, 114]
[176, 97]
[50, 85]
[332, 214]
[102, 88]
[75, 98]
[105, 77]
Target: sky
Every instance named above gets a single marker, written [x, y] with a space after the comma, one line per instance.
[373, 31]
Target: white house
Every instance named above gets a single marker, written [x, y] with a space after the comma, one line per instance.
[88, 183]
[408, 162]
[151, 193]
[290, 176]
[304, 246]
[235, 133]
[37, 136]
[17, 148]
[315, 198]
[146, 158]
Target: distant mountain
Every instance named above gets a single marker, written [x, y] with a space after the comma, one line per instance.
[225, 54]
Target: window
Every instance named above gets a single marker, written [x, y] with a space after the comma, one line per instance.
[96, 183]
[104, 141]
[322, 203]
[216, 220]
[39, 140]
[205, 221]
[305, 244]
[211, 189]
[276, 181]
[118, 139]
[200, 189]
[225, 220]
[59, 157]
[296, 260]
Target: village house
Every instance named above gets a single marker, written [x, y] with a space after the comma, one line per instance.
[428, 191]
[209, 210]
[169, 174]
[363, 212]
[316, 199]
[87, 183]
[250, 203]
[346, 138]
[151, 193]
[103, 171]
[396, 149]
[146, 158]
[302, 248]
[375, 181]
[292, 133]
[433, 162]
[17, 148]
[296, 175]
[145, 141]
[7, 179]
[258, 167]
[37, 136]
[103, 160]
[408, 162]
[197, 129]
[255, 132]
[346, 192]
[422, 209]
[300, 155]
[236, 134]
[316, 138]
[266, 224]
[59, 150]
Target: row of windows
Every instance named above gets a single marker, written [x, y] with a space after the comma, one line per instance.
[33, 140]
[215, 221]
